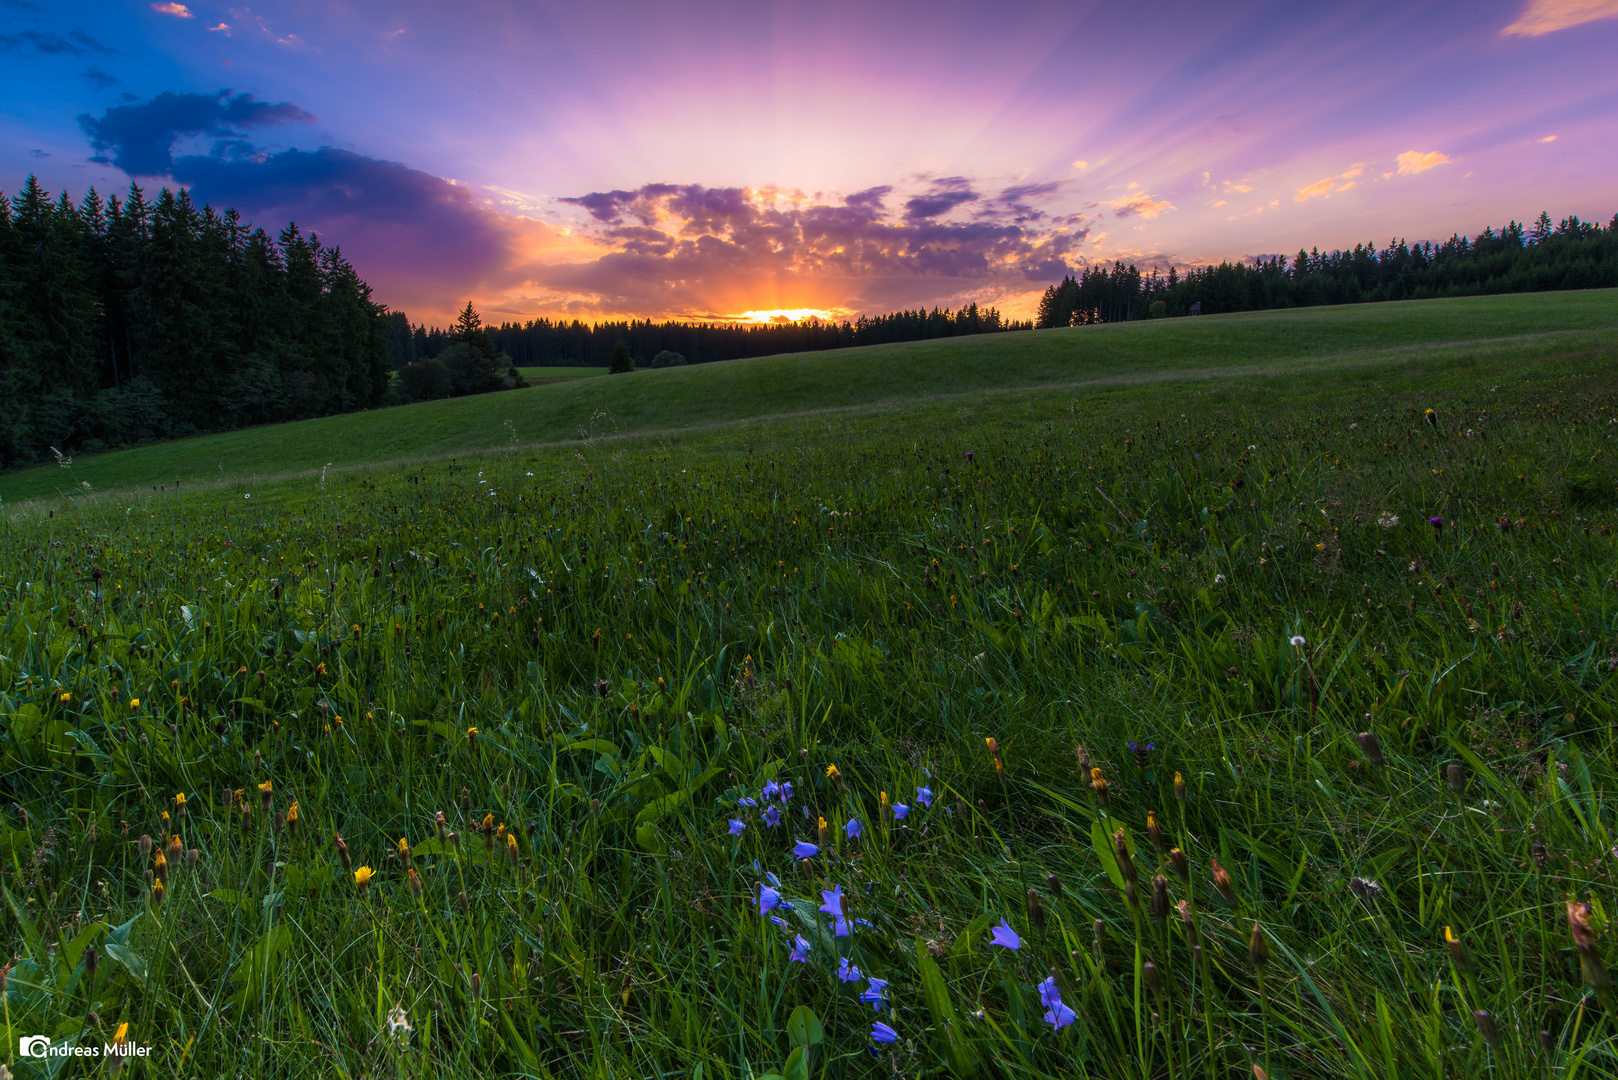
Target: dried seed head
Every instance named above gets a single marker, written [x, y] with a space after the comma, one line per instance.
[1371, 748]
[1364, 888]
[1578, 923]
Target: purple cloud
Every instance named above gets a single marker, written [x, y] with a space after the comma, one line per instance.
[947, 193]
[142, 137]
[77, 43]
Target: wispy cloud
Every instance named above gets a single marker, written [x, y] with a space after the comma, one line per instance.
[1548, 16]
[76, 43]
[1141, 204]
[179, 11]
[1412, 162]
[1329, 186]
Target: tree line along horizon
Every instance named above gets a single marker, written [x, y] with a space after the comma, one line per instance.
[124, 321]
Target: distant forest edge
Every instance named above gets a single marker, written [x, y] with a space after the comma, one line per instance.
[124, 321]
[1572, 255]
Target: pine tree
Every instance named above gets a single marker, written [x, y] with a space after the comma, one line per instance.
[622, 362]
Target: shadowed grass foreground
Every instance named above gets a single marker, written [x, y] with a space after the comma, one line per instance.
[1271, 721]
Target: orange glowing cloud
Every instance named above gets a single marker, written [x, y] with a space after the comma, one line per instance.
[1548, 16]
[1412, 162]
[179, 11]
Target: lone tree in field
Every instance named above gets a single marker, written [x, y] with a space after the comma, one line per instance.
[469, 330]
[621, 360]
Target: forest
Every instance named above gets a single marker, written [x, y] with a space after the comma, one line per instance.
[547, 343]
[125, 320]
[1572, 255]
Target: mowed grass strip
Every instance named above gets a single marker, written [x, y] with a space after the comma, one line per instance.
[1286, 345]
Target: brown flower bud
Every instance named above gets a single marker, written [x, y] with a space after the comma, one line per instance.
[1098, 784]
[1036, 912]
[145, 846]
[1371, 748]
[1154, 978]
[1455, 772]
[1126, 865]
[1160, 899]
[1487, 1027]
[1258, 947]
[1154, 831]
[1180, 864]
[1054, 884]
[1222, 884]
[342, 852]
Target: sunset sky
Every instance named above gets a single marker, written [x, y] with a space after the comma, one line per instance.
[699, 160]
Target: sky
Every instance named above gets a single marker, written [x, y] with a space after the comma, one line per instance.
[758, 160]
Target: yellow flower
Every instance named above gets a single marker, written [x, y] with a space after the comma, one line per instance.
[157, 892]
[994, 747]
[471, 737]
[832, 773]
[66, 697]
[179, 801]
[123, 1033]
[292, 819]
[134, 703]
[882, 799]
[362, 878]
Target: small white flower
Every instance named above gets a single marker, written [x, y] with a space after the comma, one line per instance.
[1219, 579]
[530, 474]
[1250, 446]
[1351, 427]
[1387, 520]
[398, 1024]
[1297, 639]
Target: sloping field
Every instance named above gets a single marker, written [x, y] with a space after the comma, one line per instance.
[1295, 346]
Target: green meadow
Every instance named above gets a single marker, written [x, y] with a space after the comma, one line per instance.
[1229, 696]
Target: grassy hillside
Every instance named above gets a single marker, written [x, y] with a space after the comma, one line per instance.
[1296, 346]
[1170, 716]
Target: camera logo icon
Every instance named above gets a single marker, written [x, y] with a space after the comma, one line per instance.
[34, 1046]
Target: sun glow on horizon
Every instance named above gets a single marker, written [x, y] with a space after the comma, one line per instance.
[788, 315]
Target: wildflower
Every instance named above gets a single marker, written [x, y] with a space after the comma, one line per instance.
[1297, 640]
[342, 850]
[848, 972]
[1219, 579]
[398, 1024]
[65, 697]
[772, 817]
[800, 950]
[778, 921]
[414, 881]
[881, 1032]
[1057, 1014]
[1005, 937]
[1258, 947]
[823, 832]
[1221, 882]
[264, 794]
[786, 790]
[134, 703]
[471, 738]
[852, 829]
[160, 867]
[875, 992]
[1160, 898]
[1154, 831]
[737, 826]
[1457, 949]
[145, 845]
[831, 901]
[768, 899]
[362, 879]
[832, 774]
[292, 819]
[1371, 748]
[440, 825]
[1364, 888]
[511, 848]
[404, 852]
[1486, 1027]
[924, 795]
[994, 747]
[744, 801]
[900, 810]
[772, 790]
[1179, 788]
[1142, 753]
[881, 803]
[179, 803]
[1098, 784]
[970, 455]
[157, 893]
[1437, 523]
[1388, 521]
[805, 850]
[1430, 416]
